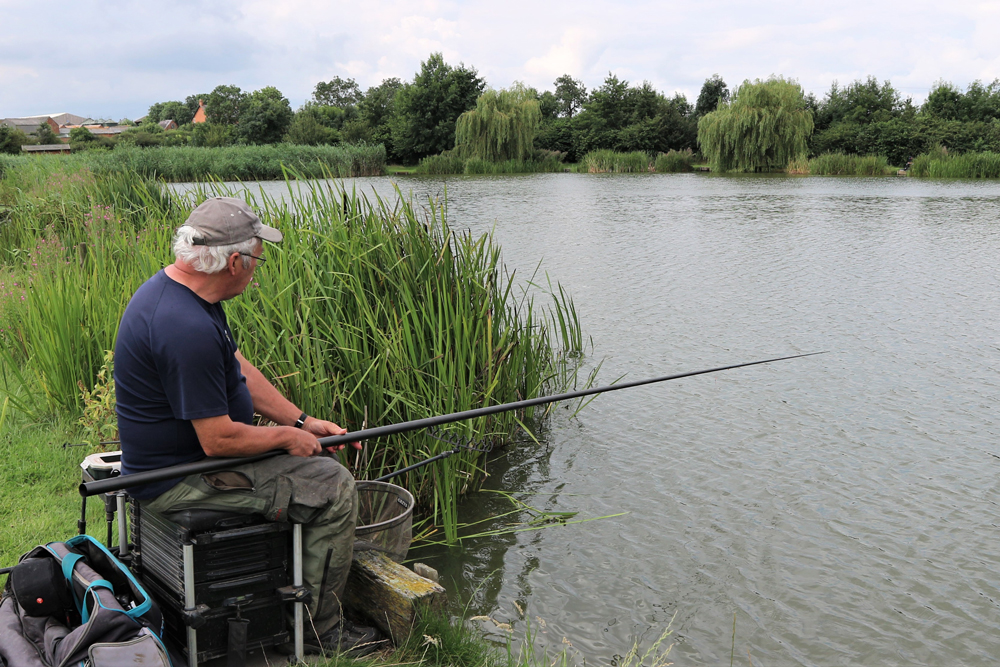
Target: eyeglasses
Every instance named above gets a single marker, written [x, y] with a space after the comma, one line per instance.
[260, 259]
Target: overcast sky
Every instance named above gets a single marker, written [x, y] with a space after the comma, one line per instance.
[114, 59]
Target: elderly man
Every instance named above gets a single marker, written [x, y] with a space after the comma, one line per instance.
[184, 392]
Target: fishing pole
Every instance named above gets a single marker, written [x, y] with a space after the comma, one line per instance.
[215, 464]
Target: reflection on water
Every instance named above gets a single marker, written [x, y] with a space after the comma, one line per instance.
[843, 507]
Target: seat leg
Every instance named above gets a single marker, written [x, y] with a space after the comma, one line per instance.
[192, 634]
[297, 581]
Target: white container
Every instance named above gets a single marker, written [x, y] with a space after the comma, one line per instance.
[102, 465]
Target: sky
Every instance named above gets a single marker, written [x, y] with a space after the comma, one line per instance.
[114, 59]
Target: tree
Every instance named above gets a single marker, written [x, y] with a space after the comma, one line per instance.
[175, 111]
[81, 135]
[337, 92]
[609, 102]
[306, 129]
[376, 110]
[264, 117]
[45, 134]
[861, 102]
[765, 126]
[224, 105]
[212, 135]
[713, 93]
[191, 102]
[426, 110]
[549, 105]
[571, 94]
[982, 103]
[11, 140]
[377, 104]
[501, 127]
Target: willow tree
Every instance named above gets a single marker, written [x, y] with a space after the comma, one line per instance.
[765, 126]
[501, 127]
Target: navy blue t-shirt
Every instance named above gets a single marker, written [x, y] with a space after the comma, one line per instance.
[175, 360]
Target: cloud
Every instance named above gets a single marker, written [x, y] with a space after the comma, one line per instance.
[118, 57]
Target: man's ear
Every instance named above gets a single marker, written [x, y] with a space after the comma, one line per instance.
[231, 263]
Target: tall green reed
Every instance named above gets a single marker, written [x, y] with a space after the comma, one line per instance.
[840, 164]
[454, 164]
[605, 160]
[673, 161]
[939, 163]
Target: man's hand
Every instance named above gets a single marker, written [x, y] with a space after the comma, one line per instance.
[321, 429]
[299, 442]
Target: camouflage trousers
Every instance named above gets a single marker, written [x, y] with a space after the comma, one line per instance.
[317, 492]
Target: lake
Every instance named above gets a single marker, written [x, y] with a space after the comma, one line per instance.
[842, 507]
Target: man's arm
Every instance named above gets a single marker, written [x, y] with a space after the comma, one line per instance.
[269, 403]
[221, 436]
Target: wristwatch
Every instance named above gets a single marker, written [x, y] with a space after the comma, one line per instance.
[301, 420]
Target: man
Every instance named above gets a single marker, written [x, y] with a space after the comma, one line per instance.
[184, 392]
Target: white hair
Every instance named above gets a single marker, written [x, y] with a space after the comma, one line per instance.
[208, 258]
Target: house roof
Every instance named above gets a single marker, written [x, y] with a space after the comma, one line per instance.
[114, 129]
[66, 118]
[46, 148]
[26, 125]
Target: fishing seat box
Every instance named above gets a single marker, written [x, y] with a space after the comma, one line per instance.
[234, 566]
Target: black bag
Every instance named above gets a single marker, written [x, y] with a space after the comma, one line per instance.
[106, 617]
[40, 587]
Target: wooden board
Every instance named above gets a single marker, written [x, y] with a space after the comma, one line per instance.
[389, 594]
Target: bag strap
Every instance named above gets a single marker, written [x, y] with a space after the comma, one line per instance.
[99, 583]
[68, 563]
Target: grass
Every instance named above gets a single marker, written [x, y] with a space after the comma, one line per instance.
[400, 169]
[608, 161]
[839, 164]
[39, 477]
[370, 312]
[230, 163]
[940, 163]
[439, 640]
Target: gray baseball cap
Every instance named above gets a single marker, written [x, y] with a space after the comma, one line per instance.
[226, 220]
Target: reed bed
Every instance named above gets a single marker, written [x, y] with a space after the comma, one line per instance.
[370, 312]
[232, 163]
[942, 164]
[608, 161]
[673, 162]
[839, 164]
[453, 164]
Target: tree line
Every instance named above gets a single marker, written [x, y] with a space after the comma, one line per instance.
[424, 117]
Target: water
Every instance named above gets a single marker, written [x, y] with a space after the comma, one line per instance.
[842, 507]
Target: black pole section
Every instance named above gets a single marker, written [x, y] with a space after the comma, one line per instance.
[421, 464]
[211, 465]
